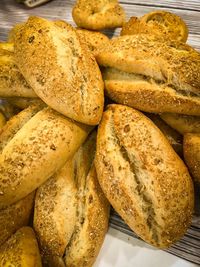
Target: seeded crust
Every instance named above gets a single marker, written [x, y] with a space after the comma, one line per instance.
[146, 94]
[13, 31]
[25, 102]
[12, 82]
[59, 68]
[15, 216]
[92, 210]
[36, 152]
[55, 214]
[171, 63]
[98, 14]
[162, 23]
[142, 177]
[21, 250]
[95, 41]
[191, 148]
[182, 123]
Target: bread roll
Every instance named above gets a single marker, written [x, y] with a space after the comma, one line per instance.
[98, 15]
[182, 123]
[12, 83]
[152, 75]
[15, 216]
[21, 250]
[142, 177]
[55, 214]
[191, 148]
[59, 68]
[164, 24]
[36, 151]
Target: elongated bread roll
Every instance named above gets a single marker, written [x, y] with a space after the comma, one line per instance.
[182, 123]
[21, 250]
[164, 24]
[142, 177]
[98, 15]
[36, 151]
[55, 214]
[152, 75]
[12, 82]
[191, 148]
[15, 216]
[60, 69]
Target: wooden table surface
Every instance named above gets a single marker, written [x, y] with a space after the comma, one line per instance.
[11, 12]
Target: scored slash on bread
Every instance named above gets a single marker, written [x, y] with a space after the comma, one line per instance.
[60, 69]
[98, 15]
[35, 150]
[152, 75]
[142, 177]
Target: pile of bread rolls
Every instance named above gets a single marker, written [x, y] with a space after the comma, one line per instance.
[66, 154]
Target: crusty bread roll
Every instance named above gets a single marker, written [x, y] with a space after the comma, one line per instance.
[162, 23]
[60, 69]
[174, 138]
[13, 31]
[36, 151]
[21, 250]
[12, 83]
[142, 177]
[70, 208]
[191, 149]
[15, 216]
[55, 214]
[182, 123]
[152, 75]
[98, 15]
[96, 41]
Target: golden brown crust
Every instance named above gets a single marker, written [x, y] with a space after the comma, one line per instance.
[98, 14]
[13, 31]
[191, 148]
[15, 216]
[55, 213]
[25, 102]
[36, 152]
[89, 234]
[60, 69]
[12, 83]
[182, 123]
[96, 41]
[151, 190]
[21, 249]
[170, 63]
[148, 95]
[164, 24]
[2, 120]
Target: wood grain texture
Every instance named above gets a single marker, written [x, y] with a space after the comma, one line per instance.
[11, 12]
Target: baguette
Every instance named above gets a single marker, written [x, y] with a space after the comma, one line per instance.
[164, 24]
[12, 83]
[60, 69]
[98, 15]
[191, 148]
[151, 190]
[15, 216]
[182, 123]
[35, 152]
[21, 250]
